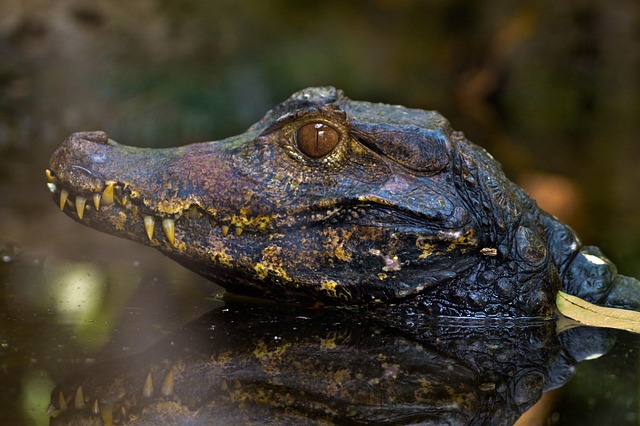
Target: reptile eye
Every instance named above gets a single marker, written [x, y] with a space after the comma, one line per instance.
[315, 140]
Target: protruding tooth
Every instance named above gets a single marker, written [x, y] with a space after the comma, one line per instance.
[212, 221]
[125, 200]
[169, 227]
[62, 402]
[147, 388]
[50, 177]
[78, 402]
[80, 202]
[64, 194]
[52, 187]
[239, 230]
[134, 210]
[96, 200]
[149, 223]
[107, 415]
[95, 407]
[167, 384]
[224, 385]
[107, 194]
[225, 230]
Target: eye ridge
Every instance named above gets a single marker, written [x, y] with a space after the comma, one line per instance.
[317, 139]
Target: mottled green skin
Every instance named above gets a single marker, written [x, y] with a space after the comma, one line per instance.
[404, 212]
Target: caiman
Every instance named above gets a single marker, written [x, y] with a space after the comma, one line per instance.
[335, 201]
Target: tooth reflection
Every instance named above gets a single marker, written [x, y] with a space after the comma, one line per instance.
[147, 388]
[78, 402]
[167, 384]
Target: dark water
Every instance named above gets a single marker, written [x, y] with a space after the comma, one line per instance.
[551, 89]
[62, 319]
[59, 316]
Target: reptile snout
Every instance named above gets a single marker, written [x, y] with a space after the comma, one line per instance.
[80, 159]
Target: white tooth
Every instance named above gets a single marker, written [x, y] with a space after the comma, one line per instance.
[149, 222]
[80, 202]
[64, 194]
[107, 194]
[169, 229]
[96, 200]
[50, 410]
[52, 187]
[50, 178]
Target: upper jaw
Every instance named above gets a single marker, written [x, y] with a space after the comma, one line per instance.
[130, 192]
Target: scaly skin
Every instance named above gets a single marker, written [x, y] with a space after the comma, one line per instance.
[340, 202]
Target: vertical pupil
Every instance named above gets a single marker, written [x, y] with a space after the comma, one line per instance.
[319, 133]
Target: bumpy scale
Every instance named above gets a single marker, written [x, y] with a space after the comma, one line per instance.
[340, 202]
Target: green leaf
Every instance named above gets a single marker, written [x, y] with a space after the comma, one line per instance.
[597, 316]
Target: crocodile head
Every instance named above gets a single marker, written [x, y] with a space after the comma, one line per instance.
[325, 199]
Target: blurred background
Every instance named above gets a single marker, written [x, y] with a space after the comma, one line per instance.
[551, 89]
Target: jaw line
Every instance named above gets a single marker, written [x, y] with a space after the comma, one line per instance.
[121, 207]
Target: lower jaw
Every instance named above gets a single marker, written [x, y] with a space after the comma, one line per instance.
[113, 211]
